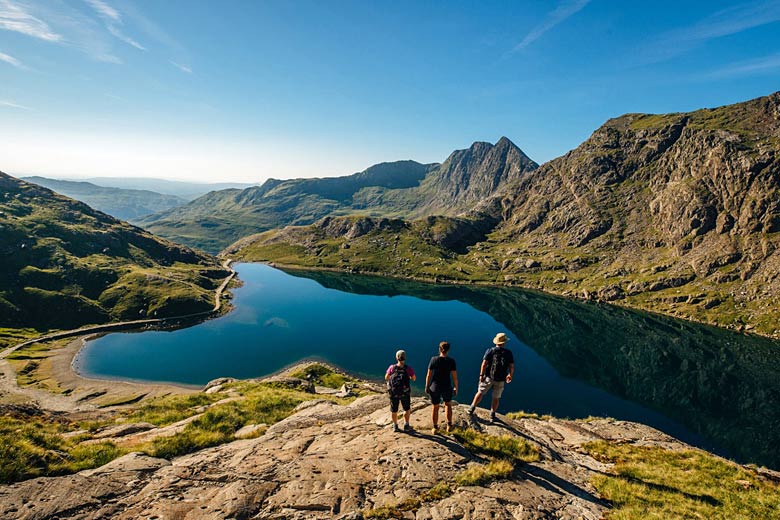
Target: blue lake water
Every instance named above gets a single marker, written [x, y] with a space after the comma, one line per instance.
[573, 359]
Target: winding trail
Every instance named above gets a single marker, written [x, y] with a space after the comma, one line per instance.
[51, 401]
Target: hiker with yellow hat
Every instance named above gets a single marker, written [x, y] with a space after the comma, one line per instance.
[498, 367]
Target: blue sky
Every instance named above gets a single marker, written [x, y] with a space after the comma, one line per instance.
[243, 91]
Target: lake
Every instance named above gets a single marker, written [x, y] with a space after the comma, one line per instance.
[709, 387]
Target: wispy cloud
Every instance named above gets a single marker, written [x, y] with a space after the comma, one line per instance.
[565, 9]
[105, 10]
[11, 104]
[15, 17]
[11, 60]
[183, 68]
[722, 23]
[113, 20]
[763, 65]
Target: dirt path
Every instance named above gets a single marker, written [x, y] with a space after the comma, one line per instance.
[79, 393]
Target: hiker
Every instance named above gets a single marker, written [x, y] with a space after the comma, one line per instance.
[441, 383]
[498, 367]
[399, 388]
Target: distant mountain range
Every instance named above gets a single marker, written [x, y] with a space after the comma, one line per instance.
[183, 189]
[122, 203]
[676, 213]
[398, 189]
[65, 264]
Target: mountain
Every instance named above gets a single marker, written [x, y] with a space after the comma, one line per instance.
[125, 204]
[65, 265]
[397, 189]
[676, 213]
[183, 189]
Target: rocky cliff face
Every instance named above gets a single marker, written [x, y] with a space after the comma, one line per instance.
[694, 196]
[470, 176]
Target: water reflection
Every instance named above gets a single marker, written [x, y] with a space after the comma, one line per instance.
[719, 384]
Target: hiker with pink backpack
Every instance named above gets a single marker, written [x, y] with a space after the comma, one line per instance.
[399, 388]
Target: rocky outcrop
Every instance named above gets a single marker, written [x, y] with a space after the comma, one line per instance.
[330, 461]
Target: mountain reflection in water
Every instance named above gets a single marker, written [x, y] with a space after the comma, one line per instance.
[721, 385]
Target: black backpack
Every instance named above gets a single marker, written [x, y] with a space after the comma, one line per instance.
[499, 368]
[398, 383]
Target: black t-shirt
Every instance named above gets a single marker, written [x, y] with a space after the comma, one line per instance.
[498, 361]
[441, 367]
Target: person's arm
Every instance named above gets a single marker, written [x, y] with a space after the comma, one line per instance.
[455, 382]
[412, 375]
[483, 369]
[511, 373]
[428, 381]
[389, 371]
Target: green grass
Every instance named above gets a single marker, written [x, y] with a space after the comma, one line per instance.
[484, 474]
[170, 409]
[35, 447]
[655, 483]
[322, 375]
[499, 446]
[528, 415]
[261, 403]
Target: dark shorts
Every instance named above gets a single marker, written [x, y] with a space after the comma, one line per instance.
[441, 395]
[406, 402]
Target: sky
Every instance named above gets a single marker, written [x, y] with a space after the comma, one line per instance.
[247, 90]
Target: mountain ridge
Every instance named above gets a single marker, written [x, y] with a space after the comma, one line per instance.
[675, 213]
[396, 189]
[124, 204]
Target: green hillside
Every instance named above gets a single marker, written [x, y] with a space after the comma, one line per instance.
[124, 204]
[65, 265]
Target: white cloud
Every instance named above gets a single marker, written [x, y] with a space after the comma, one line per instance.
[183, 68]
[105, 10]
[564, 10]
[11, 60]
[121, 36]
[11, 104]
[14, 17]
[113, 19]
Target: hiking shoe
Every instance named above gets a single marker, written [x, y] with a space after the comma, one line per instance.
[471, 410]
[407, 427]
[492, 416]
[396, 428]
[449, 427]
[434, 431]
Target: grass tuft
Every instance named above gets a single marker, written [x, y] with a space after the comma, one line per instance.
[656, 483]
[481, 475]
[501, 446]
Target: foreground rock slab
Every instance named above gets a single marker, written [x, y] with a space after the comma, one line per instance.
[329, 461]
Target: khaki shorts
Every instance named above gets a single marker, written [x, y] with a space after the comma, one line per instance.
[487, 383]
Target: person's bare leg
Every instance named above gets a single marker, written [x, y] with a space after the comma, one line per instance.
[494, 405]
[394, 415]
[407, 415]
[477, 399]
[435, 415]
[448, 407]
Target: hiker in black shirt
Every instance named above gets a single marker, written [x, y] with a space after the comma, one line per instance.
[441, 383]
[498, 367]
